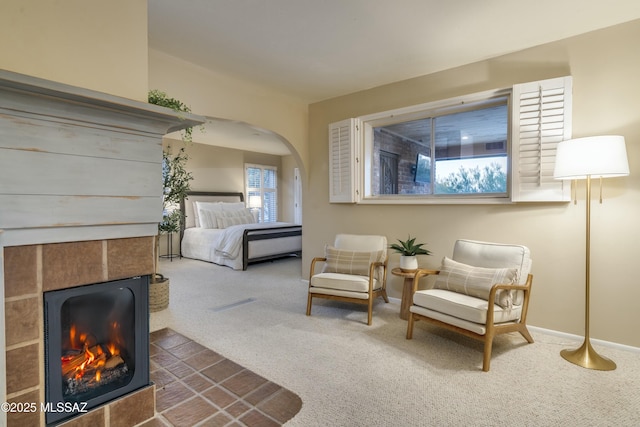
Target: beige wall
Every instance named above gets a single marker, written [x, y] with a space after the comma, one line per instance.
[220, 96]
[99, 45]
[605, 66]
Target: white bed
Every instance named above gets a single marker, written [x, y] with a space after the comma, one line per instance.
[235, 245]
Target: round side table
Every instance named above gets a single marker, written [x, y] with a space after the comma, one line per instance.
[406, 289]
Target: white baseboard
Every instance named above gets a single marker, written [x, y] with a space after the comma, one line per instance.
[581, 338]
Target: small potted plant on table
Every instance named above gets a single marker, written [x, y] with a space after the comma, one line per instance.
[408, 249]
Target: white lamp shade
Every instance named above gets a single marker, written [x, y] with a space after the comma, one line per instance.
[595, 156]
[255, 201]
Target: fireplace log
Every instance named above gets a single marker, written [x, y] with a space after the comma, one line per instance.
[114, 361]
[69, 366]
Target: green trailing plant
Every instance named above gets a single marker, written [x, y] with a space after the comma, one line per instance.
[409, 247]
[160, 98]
[176, 180]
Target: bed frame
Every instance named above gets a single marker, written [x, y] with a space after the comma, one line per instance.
[250, 235]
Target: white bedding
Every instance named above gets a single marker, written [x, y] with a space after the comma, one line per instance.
[224, 246]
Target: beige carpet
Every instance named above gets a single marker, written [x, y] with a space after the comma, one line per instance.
[351, 374]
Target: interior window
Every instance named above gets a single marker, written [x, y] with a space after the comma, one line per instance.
[496, 146]
[462, 151]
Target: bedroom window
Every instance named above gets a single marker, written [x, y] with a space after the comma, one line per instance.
[262, 191]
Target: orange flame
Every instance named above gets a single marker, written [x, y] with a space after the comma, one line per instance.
[94, 356]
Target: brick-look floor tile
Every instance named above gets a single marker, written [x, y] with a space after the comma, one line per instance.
[206, 388]
[222, 370]
[180, 370]
[171, 395]
[256, 419]
[220, 397]
[161, 378]
[243, 383]
[203, 359]
[282, 406]
[164, 359]
[238, 408]
[190, 412]
[160, 333]
[262, 393]
[171, 341]
[197, 382]
[218, 420]
[186, 350]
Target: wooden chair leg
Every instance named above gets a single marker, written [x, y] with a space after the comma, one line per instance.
[486, 357]
[370, 312]
[410, 327]
[384, 296]
[309, 304]
[525, 334]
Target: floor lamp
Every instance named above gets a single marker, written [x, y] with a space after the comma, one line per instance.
[587, 158]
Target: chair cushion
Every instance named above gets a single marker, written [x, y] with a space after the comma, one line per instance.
[361, 242]
[343, 282]
[461, 306]
[475, 281]
[350, 262]
[494, 255]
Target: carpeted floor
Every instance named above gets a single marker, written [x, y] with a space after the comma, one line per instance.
[350, 374]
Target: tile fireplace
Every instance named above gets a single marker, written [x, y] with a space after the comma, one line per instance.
[53, 286]
[80, 200]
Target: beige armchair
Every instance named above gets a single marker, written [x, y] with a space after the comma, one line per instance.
[354, 270]
[481, 292]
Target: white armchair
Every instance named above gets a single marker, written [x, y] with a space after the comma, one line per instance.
[481, 292]
[354, 270]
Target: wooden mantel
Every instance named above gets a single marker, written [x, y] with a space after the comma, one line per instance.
[76, 164]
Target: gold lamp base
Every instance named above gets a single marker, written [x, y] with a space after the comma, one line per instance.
[587, 357]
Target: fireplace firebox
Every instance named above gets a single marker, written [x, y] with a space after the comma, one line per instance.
[96, 345]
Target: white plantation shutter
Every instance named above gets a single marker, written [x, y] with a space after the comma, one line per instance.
[343, 161]
[541, 118]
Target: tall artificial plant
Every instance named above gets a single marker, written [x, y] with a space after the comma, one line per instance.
[176, 180]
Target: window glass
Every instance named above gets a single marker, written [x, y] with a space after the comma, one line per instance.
[458, 151]
[471, 152]
[262, 192]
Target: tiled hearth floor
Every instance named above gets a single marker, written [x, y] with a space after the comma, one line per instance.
[196, 386]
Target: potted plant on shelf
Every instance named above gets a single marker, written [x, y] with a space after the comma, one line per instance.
[176, 183]
[408, 249]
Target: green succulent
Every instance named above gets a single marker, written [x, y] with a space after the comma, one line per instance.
[409, 247]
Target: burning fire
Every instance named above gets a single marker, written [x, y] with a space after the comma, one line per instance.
[86, 359]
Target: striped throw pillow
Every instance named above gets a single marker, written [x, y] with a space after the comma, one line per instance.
[476, 281]
[350, 262]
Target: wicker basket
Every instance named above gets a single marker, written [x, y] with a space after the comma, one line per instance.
[159, 295]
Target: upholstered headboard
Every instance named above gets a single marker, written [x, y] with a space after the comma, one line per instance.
[205, 196]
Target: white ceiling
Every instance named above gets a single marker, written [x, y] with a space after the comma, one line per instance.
[319, 49]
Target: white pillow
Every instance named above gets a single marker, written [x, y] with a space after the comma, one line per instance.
[208, 213]
[226, 219]
[196, 215]
[235, 206]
